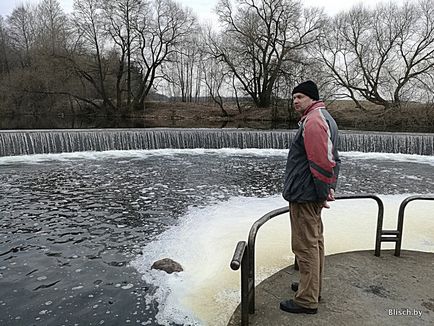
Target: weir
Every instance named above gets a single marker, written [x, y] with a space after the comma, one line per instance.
[26, 142]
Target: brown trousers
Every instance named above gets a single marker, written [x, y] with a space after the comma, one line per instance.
[308, 246]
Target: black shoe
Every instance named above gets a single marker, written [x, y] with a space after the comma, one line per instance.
[293, 308]
[294, 287]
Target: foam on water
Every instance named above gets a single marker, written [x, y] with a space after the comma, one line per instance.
[203, 244]
[413, 158]
[140, 154]
[207, 292]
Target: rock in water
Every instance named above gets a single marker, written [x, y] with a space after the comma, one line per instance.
[168, 265]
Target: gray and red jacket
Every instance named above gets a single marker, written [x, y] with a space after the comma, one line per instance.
[313, 161]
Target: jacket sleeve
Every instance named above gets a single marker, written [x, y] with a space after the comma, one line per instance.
[336, 168]
[320, 154]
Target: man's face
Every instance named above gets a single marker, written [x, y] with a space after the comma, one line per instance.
[301, 102]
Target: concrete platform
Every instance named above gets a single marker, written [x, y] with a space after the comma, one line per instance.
[359, 289]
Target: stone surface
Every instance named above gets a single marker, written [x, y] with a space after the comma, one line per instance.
[168, 265]
[359, 289]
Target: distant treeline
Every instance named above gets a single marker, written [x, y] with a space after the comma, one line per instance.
[108, 57]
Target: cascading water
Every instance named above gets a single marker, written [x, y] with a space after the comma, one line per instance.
[58, 141]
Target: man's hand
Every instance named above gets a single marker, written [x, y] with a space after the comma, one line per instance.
[330, 197]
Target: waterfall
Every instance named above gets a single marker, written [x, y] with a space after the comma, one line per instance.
[27, 142]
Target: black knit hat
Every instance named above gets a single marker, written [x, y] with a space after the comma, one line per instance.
[307, 88]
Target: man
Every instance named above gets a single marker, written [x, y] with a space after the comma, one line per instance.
[310, 180]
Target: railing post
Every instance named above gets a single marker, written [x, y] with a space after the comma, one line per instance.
[251, 277]
[245, 289]
[241, 258]
[380, 217]
[400, 225]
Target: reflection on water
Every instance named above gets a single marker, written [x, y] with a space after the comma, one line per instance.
[70, 224]
[87, 122]
[19, 122]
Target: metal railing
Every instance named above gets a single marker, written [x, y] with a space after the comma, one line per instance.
[244, 255]
[400, 225]
[240, 259]
[396, 235]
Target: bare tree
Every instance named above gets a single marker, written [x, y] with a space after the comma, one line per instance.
[381, 55]
[258, 37]
[131, 38]
[52, 25]
[182, 68]
[161, 29]
[121, 23]
[88, 20]
[21, 32]
[4, 44]
[215, 76]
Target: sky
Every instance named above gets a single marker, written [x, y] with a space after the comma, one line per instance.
[204, 8]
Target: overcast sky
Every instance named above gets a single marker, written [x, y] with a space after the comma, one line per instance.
[204, 8]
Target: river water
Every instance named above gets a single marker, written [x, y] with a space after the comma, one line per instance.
[79, 231]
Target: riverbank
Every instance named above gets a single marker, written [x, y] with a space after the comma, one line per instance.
[208, 115]
[414, 118]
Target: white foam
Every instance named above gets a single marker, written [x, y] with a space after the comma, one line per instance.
[207, 292]
[143, 154]
[397, 157]
[203, 244]
[135, 154]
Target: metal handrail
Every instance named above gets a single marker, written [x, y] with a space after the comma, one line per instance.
[251, 249]
[240, 259]
[248, 284]
[400, 225]
[380, 217]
